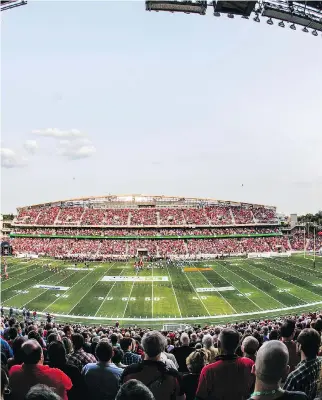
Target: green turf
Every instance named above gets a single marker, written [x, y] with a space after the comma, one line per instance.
[261, 287]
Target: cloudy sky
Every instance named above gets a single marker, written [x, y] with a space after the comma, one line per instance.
[104, 97]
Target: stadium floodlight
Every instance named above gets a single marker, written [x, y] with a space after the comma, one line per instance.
[234, 7]
[294, 12]
[270, 21]
[256, 19]
[281, 24]
[8, 4]
[293, 27]
[305, 29]
[188, 7]
[314, 33]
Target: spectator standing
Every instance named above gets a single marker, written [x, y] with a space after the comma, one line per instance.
[249, 347]
[32, 372]
[79, 357]
[181, 353]
[17, 354]
[287, 332]
[195, 363]
[102, 378]
[165, 383]
[127, 345]
[118, 357]
[270, 368]
[57, 359]
[306, 376]
[229, 377]
[208, 344]
[6, 349]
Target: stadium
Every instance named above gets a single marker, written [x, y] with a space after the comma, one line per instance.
[159, 259]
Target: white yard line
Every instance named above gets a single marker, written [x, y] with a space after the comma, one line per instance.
[173, 291]
[107, 294]
[288, 283]
[30, 287]
[128, 299]
[223, 298]
[46, 290]
[310, 271]
[197, 294]
[18, 269]
[247, 281]
[24, 280]
[248, 314]
[49, 305]
[90, 287]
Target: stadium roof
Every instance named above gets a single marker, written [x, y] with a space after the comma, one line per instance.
[144, 199]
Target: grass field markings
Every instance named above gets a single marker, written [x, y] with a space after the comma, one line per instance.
[46, 290]
[99, 279]
[294, 276]
[18, 276]
[271, 283]
[30, 287]
[49, 305]
[107, 294]
[197, 294]
[311, 271]
[248, 283]
[152, 293]
[256, 305]
[219, 293]
[173, 290]
[128, 299]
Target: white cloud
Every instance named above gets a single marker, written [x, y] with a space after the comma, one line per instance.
[76, 149]
[30, 146]
[10, 159]
[58, 133]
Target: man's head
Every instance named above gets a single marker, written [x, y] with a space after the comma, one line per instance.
[114, 339]
[153, 343]
[41, 392]
[207, 341]
[117, 355]
[134, 390]
[309, 342]
[57, 353]
[126, 344]
[184, 339]
[104, 351]
[68, 331]
[272, 362]
[78, 341]
[250, 345]
[228, 341]
[287, 330]
[31, 352]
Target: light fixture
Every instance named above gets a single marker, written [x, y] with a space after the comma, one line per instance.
[245, 17]
[230, 15]
[256, 19]
[314, 33]
[270, 21]
[217, 14]
[293, 27]
[281, 24]
[305, 29]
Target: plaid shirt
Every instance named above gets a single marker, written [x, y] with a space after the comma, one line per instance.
[305, 377]
[131, 358]
[80, 358]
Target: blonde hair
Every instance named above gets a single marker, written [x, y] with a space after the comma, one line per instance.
[197, 360]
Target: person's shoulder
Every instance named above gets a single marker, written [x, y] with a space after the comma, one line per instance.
[133, 369]
[15, 369]
[245, 361]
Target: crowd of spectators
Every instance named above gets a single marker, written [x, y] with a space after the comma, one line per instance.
[144, 216]
[154, 247]
[148, 231]
[267, 359]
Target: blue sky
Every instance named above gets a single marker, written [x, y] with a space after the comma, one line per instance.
[104, 97]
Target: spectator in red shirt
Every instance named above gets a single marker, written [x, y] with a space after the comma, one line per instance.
[229, 377]
[32, 372]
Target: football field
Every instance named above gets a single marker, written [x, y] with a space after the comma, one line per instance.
[192, 292]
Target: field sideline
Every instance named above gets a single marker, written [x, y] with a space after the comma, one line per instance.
[208, 292]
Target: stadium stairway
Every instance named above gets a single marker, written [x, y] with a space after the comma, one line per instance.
[254, 220]
[57, 218]
[232, 216]
[158, 217]
[80, 220]
[129, 221]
